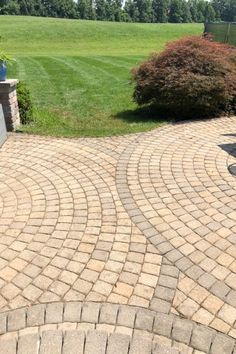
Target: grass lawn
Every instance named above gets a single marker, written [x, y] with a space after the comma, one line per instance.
[78, 72]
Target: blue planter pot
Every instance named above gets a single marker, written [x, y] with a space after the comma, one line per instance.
[3, 71]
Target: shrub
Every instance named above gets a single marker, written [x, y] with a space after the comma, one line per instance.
[24, 103]
[192, 77]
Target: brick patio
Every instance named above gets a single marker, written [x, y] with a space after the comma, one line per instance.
[145, 221]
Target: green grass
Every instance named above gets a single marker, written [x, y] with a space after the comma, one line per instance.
[78, 72]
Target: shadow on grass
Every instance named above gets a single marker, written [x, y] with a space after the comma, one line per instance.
[154, 114]
[143, 115]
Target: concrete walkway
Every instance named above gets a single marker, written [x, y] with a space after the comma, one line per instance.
[145, 221]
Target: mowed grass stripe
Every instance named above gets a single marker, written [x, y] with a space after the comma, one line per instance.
[42, 84]
[90, 67]
[126, 63]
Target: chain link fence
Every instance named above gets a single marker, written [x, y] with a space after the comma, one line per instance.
[222, 32]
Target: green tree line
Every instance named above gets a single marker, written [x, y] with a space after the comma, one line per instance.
[175, 11]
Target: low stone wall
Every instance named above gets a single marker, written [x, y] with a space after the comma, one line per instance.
[8, 99]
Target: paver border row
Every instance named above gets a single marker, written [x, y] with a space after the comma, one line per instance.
[77, 341]
[171, 326]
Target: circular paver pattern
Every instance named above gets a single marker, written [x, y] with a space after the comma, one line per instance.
[145, 220]
[65, 234]
[179, 192]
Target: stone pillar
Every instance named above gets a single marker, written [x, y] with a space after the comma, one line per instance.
[8, 99]
[3, 131]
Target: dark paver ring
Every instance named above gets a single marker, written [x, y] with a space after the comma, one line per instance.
[90, 328]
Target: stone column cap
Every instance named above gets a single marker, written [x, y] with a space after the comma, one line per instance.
[9, 82]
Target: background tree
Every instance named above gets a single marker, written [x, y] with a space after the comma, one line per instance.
[186, 14]
[86, 10]
[101, 7]
[160, 10]
[210, 14]
[229, 10]
[117, 10]
[9, 7]
[176, 11]
[145, 10]
[132, 11]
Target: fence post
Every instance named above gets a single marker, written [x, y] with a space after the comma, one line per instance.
[227, 33]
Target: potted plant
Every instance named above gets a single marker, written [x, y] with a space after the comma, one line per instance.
[4, 59]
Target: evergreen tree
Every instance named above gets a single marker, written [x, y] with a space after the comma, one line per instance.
[194, 10]
[86, 9]
[132, 10]
[9, 8]
[210, 14]
[145, 10]
[117, 9]
[3, 3]
[61, 8]
[110, 16]
[217, 7]
[160, 10]
[101, 10]
[201, 8]
[176, 11]
[229, 10]
[186, 13]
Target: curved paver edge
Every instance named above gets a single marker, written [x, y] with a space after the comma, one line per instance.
[171, 326]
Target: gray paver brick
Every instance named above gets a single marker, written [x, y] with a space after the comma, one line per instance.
[72, 312]
[54, 313]
[164, 293]
[73, 342]
[90, 312]
[51, 342]
[201, 338]
[174, 255]
[163, 325]
[170, 270]
[95, 342]
[108, 314]
[144, 320]
[222, 344]
[28, 344]
[118, 344]
[165, 247]
[182, 330]
[160, 305]
[3, 323]
[206, 280]
[184, 263]
[36, 315]
[16, 320]
[167, 281]
[126, 316]
[220, 289]
[162, 349]
[194, 272]
[140, 345]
